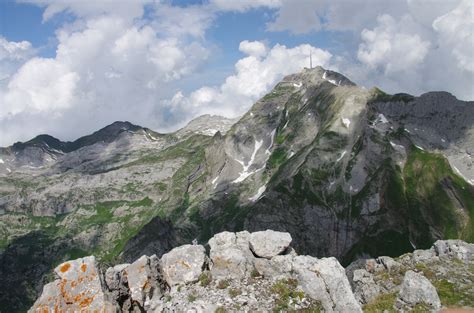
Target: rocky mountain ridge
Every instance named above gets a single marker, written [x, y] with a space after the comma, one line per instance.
[248, 272]
[348, 172]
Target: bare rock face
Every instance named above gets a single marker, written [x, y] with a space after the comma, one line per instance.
[454, 248]
[269, 243]
[325, 280]
[230, 255]
[183, 264]
[143, 279]
[416, 289]
[77, 288]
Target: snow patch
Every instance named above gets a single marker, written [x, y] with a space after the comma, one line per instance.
[394, 145]
[1, 161]
[332, 81]
[9, 170]
[209, 132]
[292, 153]
[251, 114]
[342, 155]
[272, 137]
[381, 119]
[245, 173]
[298, 85]
[259, 193]
[346, 122]
[421, 148]
[286, 124]
[469, 181]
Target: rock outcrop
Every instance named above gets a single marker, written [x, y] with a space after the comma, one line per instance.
[257, 272]
[424, 280]
[78, 286]
[151, 284]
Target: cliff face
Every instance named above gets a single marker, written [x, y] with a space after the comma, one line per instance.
[260, 271]
[348, 172]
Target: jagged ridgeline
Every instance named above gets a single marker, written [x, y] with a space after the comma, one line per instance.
[349, 172]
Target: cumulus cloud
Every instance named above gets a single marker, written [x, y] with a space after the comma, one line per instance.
[254, 76]
[123, 9]
[106, 68]
[253, 48]
[244, 5]
[456, 30]
[12, 55]
[389, 47]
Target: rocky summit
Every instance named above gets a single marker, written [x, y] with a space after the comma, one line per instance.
[347, 172]
[234, 277]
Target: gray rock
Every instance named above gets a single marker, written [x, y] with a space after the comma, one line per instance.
[454, 248]
[77, 288]
[365, 288]
[143, 279]
[269, 243]
[388, 262]
[278, 267]
[230, 255]
[423, 255]
[183, 264]
[117, 284]
[416, 289]
[325, 280]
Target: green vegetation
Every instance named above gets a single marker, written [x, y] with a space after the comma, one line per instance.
[383, 303]
[223, 284]
[277, 158]
[234, 292]
[205, 279]
[192, 297]
[429, 179]
[286, 291]
[380, 96]
[452, 295]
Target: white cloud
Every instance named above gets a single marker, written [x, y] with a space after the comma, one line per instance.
[298, 18]
[389, 47]
[456, 30]
[253, 48]
[254, 76]
[106, 68]
[40, 85]
[244, 5]
[12, 55]
[87, 9]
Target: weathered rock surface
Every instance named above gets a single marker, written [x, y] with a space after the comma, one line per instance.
[230, 255]
[183, 264]
[325, 280]
[416, 289]
[77, 288]
[234, 279]
[422, 280]
[269, 243]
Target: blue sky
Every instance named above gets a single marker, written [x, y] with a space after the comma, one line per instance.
[70, 67]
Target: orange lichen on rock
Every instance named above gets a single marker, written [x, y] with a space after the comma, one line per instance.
[83, 267]
[65, 268]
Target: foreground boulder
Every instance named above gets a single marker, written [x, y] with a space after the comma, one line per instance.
[77, 288]
[416, 289]
[325, 280]
[269, 243]
[230, 255]
[261, 272]
[183, 264]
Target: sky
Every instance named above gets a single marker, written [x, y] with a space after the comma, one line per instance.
[70, 67]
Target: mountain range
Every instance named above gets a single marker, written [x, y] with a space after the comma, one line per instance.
[348, 172]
